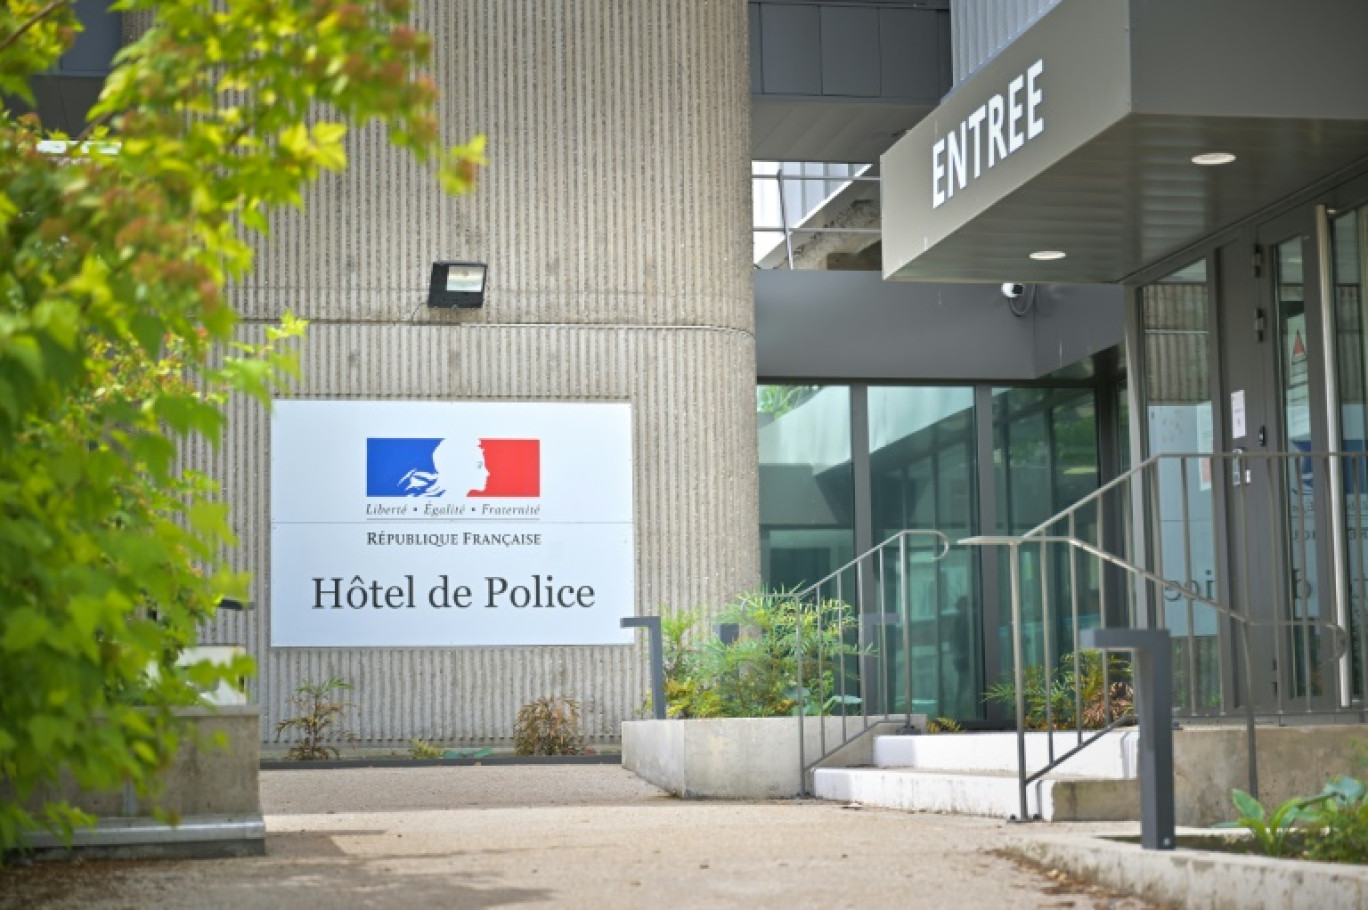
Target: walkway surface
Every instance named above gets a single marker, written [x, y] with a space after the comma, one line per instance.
[578, 836]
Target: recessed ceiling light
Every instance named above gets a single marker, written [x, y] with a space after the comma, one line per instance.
[1211, 159]
[1048, 255]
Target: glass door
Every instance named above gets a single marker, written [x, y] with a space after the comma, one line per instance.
[1304, 654]
[1349, 249]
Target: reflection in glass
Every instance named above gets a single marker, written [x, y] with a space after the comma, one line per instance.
[922, 475]
[1179, 418]
[806, 483]
[1303, 584]
[1348, 238]
[1045, 459]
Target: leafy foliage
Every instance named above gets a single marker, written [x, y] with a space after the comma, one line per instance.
[943, 725]
[117, 345]
[788, 657]
[1272, 831]
[1056, 691]
[1339, 823]
[422, 749]
[320, 711]
[1331, 826]
[549, 725]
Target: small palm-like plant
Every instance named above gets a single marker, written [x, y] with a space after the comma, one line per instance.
[320, 710]
[1104, 690]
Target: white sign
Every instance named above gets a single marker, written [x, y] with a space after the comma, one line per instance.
[434, 524]
[995, 129]
[1238, 428]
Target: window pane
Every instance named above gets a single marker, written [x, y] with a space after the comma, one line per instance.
[806, 483]
[922, 476]
[1179, 417]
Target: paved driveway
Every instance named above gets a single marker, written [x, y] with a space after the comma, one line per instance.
[591, 836]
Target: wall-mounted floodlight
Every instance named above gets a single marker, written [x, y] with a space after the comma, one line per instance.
[457, 284]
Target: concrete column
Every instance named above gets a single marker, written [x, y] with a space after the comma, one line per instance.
[614, 217]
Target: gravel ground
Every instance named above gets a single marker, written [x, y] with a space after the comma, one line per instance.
[590, 836]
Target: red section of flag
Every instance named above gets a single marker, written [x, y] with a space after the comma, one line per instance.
[514, 467]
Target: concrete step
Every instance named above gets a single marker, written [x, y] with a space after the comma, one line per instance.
[1114, 755]
[1053, 798]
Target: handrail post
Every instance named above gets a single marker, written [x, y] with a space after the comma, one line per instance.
[652, 625]
[1154, 703]
[1018, 675]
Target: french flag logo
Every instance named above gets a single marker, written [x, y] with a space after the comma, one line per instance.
[452, 467]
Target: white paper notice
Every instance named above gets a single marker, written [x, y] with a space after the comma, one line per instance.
[1237, 414]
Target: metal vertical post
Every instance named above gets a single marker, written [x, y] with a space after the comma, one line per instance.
[1336, 505]
[1190, 579]
[652, 625]
[906, 610]
[1019, 676]
[1075, 629]
[1154, 702]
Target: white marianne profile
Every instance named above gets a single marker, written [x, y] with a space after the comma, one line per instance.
[458, 468]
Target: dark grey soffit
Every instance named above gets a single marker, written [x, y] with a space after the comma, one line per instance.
[824, 129]
[837, 81]
[1139, 88]
[855, 326]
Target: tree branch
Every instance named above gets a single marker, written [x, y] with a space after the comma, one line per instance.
[39, 16]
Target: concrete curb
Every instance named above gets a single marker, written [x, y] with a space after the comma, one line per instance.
[1196, 878]
[268, 764]
[196, 837]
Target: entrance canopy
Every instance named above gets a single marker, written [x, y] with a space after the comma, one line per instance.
[1080, 137]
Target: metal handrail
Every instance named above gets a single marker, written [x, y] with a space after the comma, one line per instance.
[871, 562]
[1150, 509]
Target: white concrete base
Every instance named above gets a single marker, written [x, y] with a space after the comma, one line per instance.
[993, 795]
[975, 774]
[1114, 755]
[729, 758]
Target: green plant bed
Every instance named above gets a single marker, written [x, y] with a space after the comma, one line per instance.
[789, 657]
[1330, 827]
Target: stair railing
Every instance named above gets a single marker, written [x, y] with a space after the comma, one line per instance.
[1131, 594]
[860, 682]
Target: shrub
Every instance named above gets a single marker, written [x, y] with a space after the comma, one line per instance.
[1337, 823]
[321, 710]
[788, 657]
[422, 749]
[549, 726]
[943, 725]
[1057, 691]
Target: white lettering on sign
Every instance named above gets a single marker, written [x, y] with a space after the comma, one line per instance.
[1013, 118]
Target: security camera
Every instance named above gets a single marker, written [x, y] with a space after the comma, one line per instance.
[1011, 290]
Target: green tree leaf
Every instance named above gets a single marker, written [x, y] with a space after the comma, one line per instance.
[118, 344]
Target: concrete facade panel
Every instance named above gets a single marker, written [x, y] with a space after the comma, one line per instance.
[614, 216]
[617, 189]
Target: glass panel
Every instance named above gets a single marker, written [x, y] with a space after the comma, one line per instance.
[922, 475]
[806, 483]
[1179, 420]
[1348, 236]
[1045, 458]
[1301, 509]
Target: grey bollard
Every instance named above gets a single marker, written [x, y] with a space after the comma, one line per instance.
[652, 625]
[1154, 704]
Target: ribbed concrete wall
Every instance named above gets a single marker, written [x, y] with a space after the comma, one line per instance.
[615, 220]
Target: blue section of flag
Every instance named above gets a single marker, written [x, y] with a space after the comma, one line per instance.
[398, 467]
